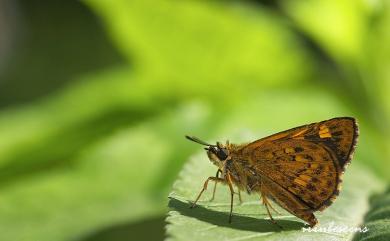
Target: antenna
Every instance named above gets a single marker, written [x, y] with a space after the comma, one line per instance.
[197, 140]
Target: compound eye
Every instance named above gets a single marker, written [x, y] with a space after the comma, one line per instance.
[222, 154]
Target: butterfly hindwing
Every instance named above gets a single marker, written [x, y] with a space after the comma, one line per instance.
[307, 161]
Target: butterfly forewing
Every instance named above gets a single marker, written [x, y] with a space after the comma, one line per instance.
[306, 161]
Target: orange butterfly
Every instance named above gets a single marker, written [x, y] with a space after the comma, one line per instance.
[300, 169]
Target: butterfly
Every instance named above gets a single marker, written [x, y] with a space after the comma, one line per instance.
[300, 169]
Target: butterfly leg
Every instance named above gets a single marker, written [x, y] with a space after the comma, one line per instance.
[267, 206]
[239, 196]
[276, 211]
[230, 183]
[215, 184]
[215, 179]
[215, 188]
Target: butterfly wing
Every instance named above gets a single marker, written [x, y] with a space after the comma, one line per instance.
[306, 161]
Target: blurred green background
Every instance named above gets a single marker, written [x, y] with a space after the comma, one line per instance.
[96, 96]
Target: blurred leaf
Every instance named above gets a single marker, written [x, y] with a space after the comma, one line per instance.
[80, 199]
[48, 55]
[167, 70]
[376, 68]
[338, 26]
[338, 29]
[52, 131]
[206, 48]
[377, 219]
[113, 181]
[377, 58]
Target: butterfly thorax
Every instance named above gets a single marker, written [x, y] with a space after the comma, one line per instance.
[240, 169]
[229, 159]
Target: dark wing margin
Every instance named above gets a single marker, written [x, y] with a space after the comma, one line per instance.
[344, 136]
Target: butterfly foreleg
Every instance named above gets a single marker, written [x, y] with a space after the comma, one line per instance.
[215, 179]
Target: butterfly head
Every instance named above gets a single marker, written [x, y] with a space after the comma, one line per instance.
[217, 154]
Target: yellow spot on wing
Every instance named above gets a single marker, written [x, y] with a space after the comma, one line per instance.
[325, 135]
[289, 150]
[300, 182]
[324, 132]
[300, 158]
[314, 165]
[305, 177]
[323, 127]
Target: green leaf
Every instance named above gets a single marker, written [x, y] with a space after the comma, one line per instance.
[207, 44]
[377, 220]
[102, 189]
[350, 21]
[55, 129]
[209, 220]
[115, 180]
